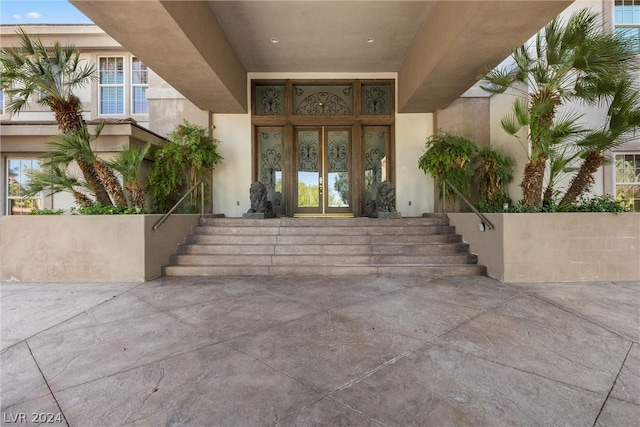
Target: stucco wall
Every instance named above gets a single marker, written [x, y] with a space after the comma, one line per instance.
[100, 248]
[556, 247]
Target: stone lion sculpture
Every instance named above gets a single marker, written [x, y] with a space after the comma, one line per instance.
[258, 197]
[385, 199]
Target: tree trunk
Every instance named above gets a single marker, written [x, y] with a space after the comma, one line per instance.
[548, 196]
[583, 180]
[532, 182]
[111, 183]
[82, 199]
[69, 118]
[92, 178]
[136, 193]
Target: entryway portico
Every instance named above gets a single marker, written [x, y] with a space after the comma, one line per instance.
[322, 147]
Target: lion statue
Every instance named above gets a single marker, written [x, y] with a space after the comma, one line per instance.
[258, 197]
[385, 199]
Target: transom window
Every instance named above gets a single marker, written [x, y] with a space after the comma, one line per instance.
[628, 179]
[17, 180]
[119, 81]
[627, 20]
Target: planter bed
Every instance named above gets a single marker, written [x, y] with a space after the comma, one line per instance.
[91, 248]
[555, 247]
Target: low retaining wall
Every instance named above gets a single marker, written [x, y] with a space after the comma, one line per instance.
[88, 248]
[555, 247]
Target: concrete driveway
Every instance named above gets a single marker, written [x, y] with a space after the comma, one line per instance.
[321, 351]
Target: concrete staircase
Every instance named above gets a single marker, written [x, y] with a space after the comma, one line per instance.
[324, 246]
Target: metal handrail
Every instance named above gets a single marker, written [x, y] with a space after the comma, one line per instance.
[483, 219]
[165, 216]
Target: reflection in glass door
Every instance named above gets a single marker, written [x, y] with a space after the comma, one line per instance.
[323, 168]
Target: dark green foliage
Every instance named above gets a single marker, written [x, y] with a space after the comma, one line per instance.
[449, 157]
[494, 170]
[180, 163]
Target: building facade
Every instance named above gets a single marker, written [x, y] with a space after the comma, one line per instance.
[319, 120]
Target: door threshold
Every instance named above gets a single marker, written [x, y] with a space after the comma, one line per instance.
[329, 215]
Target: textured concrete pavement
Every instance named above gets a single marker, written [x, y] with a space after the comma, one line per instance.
[320, 351]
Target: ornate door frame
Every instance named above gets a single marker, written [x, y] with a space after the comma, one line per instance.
[279, 107]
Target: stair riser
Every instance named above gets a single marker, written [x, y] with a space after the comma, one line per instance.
[255, 260]
[322, 231]
[293, 270]
[323, 222]
[428, 249]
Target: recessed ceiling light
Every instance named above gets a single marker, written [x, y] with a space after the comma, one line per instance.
[370, 40]
[274, 40]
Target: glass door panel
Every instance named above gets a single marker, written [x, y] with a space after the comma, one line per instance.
[374, 161]
[309, 168]
[323, 168]
[270, 164]
[338, 148]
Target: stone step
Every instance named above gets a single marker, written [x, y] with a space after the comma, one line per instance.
[384, 249]
[219, 239]
[324, 222]
[327, 230]
[345, 258]
[334, 270]
[324, 246]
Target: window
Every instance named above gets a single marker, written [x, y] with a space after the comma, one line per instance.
[628, 179]
[123, 86]
[17, 180]
[111, 93]
[627, 20]
[139, 85]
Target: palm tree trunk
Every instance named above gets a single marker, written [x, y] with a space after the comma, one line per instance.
[548, 195]
[136, 193]
[111, 183]
[92, 178]
[532, 182]
[82, 199]
[68, 114]
[583, 180]
[69, 118]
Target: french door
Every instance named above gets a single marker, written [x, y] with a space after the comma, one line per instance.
[323, 158]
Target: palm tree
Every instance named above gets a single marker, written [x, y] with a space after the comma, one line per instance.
[623, 120]
[76, 145]
[128, 165]
[569, 61]
[54, 179]
[51, 75]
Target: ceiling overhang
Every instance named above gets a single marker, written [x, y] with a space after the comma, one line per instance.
[204, 49]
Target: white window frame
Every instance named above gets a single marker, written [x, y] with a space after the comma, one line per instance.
[615, 170]
[128, 87]
[9, 197]
[122, 85]
[628, 25]
[138, 85]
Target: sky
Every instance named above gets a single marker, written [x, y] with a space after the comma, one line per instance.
[24, 12]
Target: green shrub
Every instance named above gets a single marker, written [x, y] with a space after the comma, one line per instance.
[98, 209]
[605, 203]
[47, 212]
[449, 157]
[180, 163]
